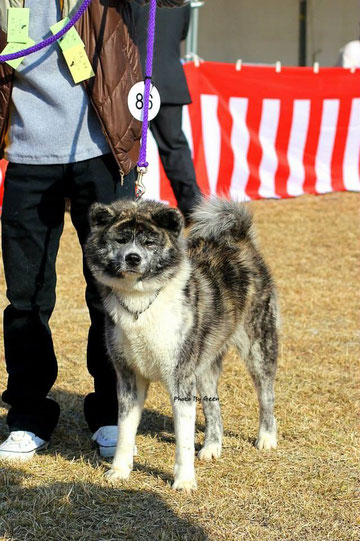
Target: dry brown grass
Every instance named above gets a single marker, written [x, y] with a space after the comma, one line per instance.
[306, 490]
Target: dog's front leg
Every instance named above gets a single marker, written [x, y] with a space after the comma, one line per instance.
[184, 409]
[131, 397]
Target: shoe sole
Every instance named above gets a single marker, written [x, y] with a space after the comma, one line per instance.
[106, 452]
[109, 452]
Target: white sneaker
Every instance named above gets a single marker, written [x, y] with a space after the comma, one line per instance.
[105, 439]
[21, 445]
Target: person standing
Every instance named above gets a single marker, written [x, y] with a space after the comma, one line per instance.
[61, 139]
[169, 78]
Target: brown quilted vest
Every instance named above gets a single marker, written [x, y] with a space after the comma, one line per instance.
[107, 31]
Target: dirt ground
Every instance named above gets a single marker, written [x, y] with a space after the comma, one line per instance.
[307, 489]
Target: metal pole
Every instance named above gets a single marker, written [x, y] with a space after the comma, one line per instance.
[191, 44]
[302, 32]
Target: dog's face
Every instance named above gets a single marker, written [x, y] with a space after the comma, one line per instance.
[133, 241]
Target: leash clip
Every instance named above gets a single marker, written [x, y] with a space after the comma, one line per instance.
[139, 185]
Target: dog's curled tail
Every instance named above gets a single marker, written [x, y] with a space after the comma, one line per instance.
[220, 219]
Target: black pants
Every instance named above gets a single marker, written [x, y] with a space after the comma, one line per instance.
[175, 156]
[32, 223]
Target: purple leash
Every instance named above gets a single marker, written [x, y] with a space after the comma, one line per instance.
[48, 41]
[142, 164]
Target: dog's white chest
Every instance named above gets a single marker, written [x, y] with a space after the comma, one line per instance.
[150, 343]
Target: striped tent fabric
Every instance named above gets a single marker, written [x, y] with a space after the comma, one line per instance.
[257, 132]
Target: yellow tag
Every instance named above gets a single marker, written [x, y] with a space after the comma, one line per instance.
[14, 48]
[18, 25]
[78, 63]
[70, 39]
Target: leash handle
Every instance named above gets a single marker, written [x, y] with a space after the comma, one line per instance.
[142, 164]
[48, 41]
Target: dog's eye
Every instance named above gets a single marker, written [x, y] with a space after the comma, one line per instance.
[121, 240]
[149, 242]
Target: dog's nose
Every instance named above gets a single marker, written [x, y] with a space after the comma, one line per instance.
[132, 259]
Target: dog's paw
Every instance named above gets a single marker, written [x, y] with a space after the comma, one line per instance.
[186, 485]
[115, 474]
[208, 452]
[266, 441]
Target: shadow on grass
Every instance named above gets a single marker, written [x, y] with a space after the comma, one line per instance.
[85, 511]
[162, 426]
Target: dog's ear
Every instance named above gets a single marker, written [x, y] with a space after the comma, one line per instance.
[100, 215]
[170, 219]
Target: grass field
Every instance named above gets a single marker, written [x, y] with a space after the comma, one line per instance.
[308, 489]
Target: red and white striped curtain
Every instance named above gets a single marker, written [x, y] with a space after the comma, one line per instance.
[258, 133]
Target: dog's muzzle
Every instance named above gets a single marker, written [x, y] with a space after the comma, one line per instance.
[132, 260]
